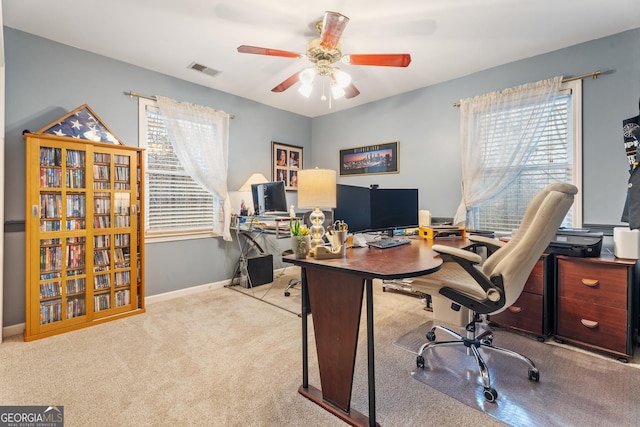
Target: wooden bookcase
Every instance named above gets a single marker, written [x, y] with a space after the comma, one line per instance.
[84, 225]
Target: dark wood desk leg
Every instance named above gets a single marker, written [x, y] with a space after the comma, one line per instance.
[336, 301]
[305, 337]
[370, 353]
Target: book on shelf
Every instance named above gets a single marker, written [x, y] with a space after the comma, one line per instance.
[50, 156]
[50, 177]
[101, 302]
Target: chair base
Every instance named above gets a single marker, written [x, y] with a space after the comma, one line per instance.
[474, 344]
[292, 283]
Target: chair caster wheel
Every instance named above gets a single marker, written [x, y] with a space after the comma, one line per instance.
[286, 294]
[431, 336]
[488, 340]
[490, 394]
[420, 362]
[534, 375]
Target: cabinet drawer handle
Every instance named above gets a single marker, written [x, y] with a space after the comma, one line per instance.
[514, 309]
[591, 324]
[592, 283]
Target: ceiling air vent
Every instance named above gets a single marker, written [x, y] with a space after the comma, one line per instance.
[203, 69]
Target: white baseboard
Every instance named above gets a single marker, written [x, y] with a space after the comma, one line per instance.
[12, 330]
[9, 331]
[186, 291]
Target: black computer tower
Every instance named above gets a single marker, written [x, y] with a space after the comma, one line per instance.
[260, 269]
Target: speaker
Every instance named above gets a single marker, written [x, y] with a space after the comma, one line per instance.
[260, 268]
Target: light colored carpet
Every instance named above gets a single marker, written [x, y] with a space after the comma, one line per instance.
[220, 358]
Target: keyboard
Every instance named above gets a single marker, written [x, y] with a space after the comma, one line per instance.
[388, 243]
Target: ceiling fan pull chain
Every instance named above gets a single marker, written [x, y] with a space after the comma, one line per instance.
[323, 97]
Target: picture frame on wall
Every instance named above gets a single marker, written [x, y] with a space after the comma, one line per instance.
[286, 161]
[370, 160]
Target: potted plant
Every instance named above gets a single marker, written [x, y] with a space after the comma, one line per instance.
[300, 239]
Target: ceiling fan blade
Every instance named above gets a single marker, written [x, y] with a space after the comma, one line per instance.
[351, 91]
[269, 52]
[333, 25]
[290, 81]
[385, 60]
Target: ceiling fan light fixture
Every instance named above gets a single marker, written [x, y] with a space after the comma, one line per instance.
[305, 90]
[336, 91]
[341, 78]
[308, 75]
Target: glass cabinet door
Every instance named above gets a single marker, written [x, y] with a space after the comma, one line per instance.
[75, 277]
[113, 199]
[50, 281]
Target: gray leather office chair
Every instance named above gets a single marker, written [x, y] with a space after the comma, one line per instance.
[328, 220]
[494, 285]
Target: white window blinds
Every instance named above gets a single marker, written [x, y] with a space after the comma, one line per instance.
[552, 161]
[175, 202]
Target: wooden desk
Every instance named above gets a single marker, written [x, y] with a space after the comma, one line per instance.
[332, 290]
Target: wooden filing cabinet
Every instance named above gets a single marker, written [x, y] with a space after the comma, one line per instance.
[596, 303]
[531, 312]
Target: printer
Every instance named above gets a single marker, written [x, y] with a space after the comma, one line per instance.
[576, 244]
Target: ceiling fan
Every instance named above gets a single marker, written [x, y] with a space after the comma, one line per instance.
[324, 52]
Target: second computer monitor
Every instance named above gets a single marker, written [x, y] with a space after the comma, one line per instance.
[379, 209]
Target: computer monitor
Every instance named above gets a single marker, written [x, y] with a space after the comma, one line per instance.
[379, 209]
[269, 198]
[394, 208]
[353, 206]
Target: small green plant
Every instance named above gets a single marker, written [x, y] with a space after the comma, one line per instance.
[297, 229]
[300, 232]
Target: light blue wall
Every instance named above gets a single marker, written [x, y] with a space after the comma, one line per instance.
[45, 80]
[426, 124]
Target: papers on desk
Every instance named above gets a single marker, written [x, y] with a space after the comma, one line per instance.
[278, 226]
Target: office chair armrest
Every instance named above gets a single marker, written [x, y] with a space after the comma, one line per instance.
[469, 256]
[493, 286]
[489, 243]
[494, 244]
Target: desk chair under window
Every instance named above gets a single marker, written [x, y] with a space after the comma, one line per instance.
[496, 284]
[328, 220]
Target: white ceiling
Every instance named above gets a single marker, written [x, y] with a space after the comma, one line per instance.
[446, 38]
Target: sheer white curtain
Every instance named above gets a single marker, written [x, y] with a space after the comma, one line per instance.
[200, 137]
[499, 132]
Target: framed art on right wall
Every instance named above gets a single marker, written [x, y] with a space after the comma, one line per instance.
[370, 159]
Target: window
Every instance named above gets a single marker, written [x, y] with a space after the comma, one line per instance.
[557, 158]
[176, 207]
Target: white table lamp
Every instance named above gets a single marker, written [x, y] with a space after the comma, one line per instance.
[244, 193]
[317, 189]
[256, 178]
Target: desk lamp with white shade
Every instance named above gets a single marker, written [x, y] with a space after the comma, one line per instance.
[317, 189]
[244, 193]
